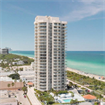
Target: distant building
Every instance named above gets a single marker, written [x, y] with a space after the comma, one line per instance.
[5, 62]
[4, 51]
[20, 63]
[14, 63]
[32, 64]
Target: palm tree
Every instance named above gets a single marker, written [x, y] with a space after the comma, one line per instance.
[15, 84]
[24, 89]
[20, 80]
[12, 84]
[8, 85]
[70, 84]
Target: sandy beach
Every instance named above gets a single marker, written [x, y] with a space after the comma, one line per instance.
[86, 74]
[31, 57]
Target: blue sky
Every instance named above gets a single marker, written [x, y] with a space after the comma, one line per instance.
[85, 28]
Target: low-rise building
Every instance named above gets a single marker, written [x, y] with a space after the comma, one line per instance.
[4, 85]
[32, 64]
[14, 63]
[0, 68]
[5, 62]
[20, 63]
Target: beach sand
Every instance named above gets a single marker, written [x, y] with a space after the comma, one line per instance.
[31, 57]
[78, 72]
[86, 74]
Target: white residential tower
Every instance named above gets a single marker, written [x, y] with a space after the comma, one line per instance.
[49, 53]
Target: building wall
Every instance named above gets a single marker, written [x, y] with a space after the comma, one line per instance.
[4, 51]
[49, 53]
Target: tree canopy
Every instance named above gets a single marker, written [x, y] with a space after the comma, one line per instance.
[14, 76]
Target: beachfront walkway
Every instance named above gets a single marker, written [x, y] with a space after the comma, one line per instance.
[32, 97]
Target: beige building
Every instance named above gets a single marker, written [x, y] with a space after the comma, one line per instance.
[16, 86]
[49, 53]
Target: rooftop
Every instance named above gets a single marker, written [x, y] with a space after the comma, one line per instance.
[29, 83]
[89, 97]
[4, 85]
[48, 19]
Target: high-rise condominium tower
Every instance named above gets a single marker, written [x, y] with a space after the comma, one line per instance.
[49, 53]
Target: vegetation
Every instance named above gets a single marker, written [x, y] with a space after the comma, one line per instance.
[24, 89]
[74, 101]
[12, 58]
[13, 84]
[58, 92]
[96, 85]
[44, 97]
[8, 85]
[96, 103]
[14, 76]
[99, 96]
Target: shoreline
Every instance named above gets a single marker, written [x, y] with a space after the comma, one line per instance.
[98, 77]
[22, 55]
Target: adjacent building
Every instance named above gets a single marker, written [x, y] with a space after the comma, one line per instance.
[49, 53]
[4, 51]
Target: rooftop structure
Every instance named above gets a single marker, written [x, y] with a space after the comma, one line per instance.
[30, 83]
[89, 97]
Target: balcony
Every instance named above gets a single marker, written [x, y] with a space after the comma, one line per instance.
[42, 24]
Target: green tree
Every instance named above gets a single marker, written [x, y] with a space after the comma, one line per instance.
[14, 76]
[12, 84]
[73, 101]
[20, 80]
[70, 84]
[72, 95]
[24, 89]
[8, 85]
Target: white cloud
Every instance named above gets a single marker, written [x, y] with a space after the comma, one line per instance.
[87, 8]
[20, 9]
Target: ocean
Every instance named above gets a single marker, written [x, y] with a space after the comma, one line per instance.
[87, 61]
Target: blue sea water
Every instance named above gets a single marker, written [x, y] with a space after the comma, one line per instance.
[86, 61]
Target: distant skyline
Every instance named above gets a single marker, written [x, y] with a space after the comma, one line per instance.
[85, 28]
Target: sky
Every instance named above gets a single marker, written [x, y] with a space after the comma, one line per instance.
[85, 22]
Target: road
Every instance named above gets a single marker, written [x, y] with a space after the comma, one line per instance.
[20, 98]
[32, 97]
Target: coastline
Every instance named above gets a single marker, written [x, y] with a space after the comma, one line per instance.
[31, 57]
[23, 55]
[98, 77]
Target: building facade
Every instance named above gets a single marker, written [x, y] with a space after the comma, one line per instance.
[4, 51]
[49, 53]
